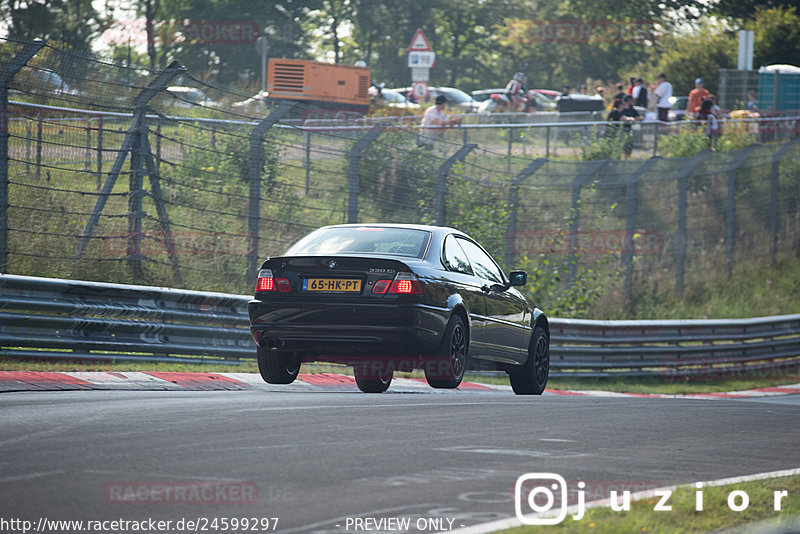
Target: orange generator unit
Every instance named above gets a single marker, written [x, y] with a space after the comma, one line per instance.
[323, 85]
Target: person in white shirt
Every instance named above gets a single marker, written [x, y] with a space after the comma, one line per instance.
[663, 93]
[434, 116]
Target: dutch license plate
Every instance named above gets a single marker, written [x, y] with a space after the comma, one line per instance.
[332, 285]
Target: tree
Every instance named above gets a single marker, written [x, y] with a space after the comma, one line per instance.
[684, 57]
[776, 36]
[72, 22]
[745, 9]
[227, 64]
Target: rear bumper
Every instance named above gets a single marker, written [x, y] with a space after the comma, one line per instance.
[324, 329]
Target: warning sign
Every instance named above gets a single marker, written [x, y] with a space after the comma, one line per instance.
[419, 43]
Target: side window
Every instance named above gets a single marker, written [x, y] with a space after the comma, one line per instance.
[482, 264]
[454, 257]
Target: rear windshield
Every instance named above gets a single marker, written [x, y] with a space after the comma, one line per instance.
[363, 240]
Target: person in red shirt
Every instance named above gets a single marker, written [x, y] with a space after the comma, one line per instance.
[696, 97]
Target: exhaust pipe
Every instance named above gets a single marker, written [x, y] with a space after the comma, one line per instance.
[272, 343]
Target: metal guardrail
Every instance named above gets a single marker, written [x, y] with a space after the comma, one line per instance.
[46, 318]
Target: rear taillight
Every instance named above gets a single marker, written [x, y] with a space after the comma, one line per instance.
[266, 282]
[381, 286]
[405, 284]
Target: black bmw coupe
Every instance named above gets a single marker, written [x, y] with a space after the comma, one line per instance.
[386, 297]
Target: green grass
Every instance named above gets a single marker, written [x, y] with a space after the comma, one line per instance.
[715, 516]
[754, 290]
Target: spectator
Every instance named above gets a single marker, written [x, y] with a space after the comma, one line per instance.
[696, 97]
[631, 85]
[434, 116]
[639, 94]
[664, 93]
[629, 116]
[584, 90]
[706, 115]
[600, 91]
[752, 102]
[615, 115]
[620, 94]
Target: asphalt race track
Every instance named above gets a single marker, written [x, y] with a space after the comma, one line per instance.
[320, 459]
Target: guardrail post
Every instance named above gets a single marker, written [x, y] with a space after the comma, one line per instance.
[441, 181]
[8, 71]
[628, 249]
[773, 197]
[584, 176]
[730, 213]
[354, 172]
[513, 206]
[254, 176]
[132, 138]
[680, 244]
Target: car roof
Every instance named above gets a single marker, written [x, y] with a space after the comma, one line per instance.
[484, 91]
[424, 227]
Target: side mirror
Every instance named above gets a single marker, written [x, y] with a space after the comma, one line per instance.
[518, 278]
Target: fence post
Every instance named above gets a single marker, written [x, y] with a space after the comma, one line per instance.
[254, 176]
[158, 144]
[135, 212]
[513, 204]
[39, 128]
[88, 166]
[547, 142]
[354, 172]
[132, 137]
[628, 248]
[656, 129]
[28, 134]
[730, 212]
[441, 181]
[680, 244]
[99, 152]
[584, 176]
[307, 159]
[773, 197]
[7, 72]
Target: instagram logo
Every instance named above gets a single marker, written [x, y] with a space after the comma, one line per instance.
[541, 498]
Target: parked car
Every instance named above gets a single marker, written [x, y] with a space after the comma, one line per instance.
[457, 100]
[187, 97]
[581, 103]
[393, 98]
[386, 297]
[678, 108]
[256, 102]
[543, 102]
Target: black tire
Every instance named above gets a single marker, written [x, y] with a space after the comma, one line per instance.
[446, 369]
[277, 367]
[373, 377]
[531, 378]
